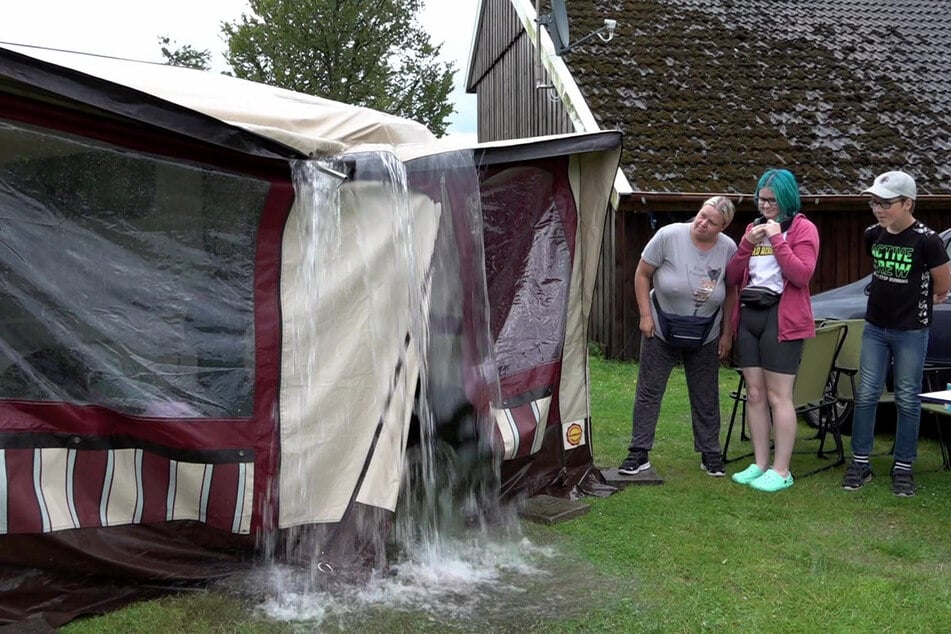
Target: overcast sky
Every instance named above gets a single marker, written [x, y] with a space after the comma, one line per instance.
[130, 29]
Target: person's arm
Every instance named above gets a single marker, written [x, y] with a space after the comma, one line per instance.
[935, 256]
[798, 259]
[941, 282]
[726, 334]
[740, 261]
[642, 291]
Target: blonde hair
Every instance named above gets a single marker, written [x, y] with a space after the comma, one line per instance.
[722, 204]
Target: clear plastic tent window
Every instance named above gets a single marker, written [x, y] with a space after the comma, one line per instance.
[126, 280]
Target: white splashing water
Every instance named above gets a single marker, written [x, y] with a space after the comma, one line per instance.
[470, 580]
[442, 563]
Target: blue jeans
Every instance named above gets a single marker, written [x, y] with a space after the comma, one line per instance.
[881, 348]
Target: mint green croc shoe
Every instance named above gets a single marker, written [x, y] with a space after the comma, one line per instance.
[747, 475]
[772, 482]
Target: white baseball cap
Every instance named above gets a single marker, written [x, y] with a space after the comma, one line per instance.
[893, 185]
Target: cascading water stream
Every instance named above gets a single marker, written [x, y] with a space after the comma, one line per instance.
[444, 559]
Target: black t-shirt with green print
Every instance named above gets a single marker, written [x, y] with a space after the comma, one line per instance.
[900, 295]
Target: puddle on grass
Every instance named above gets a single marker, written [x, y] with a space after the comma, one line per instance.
[479, 584]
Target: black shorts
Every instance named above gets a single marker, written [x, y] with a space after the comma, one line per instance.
[758, 344]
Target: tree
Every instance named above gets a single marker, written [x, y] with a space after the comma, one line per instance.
[369, 53]
[186, 55]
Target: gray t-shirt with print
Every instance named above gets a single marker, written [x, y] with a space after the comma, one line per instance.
[688, 280]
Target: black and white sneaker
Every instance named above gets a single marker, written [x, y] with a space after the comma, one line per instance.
[856, 474]
[636, 462]
[712, 463]
[903, 483]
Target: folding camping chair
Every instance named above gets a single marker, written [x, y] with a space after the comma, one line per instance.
[940, 412]
[817, 387]
[815, 390]
[942, 416]
[847, 364]
[739, 403]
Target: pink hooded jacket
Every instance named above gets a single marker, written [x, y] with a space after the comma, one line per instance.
[797, 255]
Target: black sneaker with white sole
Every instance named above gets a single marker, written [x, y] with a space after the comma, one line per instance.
[636, 462]
[712, 463]
[903, 483]
[856, 474]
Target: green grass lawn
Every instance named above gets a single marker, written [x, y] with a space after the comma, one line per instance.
[710, 555]
[702, 554]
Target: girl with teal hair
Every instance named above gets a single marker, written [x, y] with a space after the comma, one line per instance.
[773, 265]
[785, 189]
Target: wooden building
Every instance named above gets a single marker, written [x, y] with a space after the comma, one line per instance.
[709, 94]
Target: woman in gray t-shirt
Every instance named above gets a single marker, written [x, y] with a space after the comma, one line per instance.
[685, 265]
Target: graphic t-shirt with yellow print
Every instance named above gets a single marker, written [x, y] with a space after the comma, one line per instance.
[764, 268]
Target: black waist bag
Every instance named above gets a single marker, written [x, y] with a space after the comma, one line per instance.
[684, 331]
[759, 297]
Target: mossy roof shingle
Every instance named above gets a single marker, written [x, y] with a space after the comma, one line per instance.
[709, 93]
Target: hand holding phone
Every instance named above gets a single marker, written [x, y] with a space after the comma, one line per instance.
[772, 228]
[756, 233]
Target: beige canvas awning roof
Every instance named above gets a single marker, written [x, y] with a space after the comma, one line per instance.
[311, 125]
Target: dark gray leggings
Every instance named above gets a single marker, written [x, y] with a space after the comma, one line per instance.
[702, 368]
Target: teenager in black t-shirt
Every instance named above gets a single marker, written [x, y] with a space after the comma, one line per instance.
[909, 274]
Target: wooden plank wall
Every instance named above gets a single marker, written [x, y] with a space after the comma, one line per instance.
[509, 104]
[842, 259]
[614, 320]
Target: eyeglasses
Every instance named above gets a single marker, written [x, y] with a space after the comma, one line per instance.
[883, 204]
[766, 202]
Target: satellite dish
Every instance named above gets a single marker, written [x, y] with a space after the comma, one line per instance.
[559, 26]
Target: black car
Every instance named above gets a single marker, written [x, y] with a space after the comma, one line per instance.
[849, 301]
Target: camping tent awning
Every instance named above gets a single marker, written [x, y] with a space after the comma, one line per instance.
[282, 122]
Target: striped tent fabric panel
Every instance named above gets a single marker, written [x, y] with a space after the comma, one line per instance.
[44, 490]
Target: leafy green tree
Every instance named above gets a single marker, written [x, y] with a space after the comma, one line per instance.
[370, 53]
[186, 55]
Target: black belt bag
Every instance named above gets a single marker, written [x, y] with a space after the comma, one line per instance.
[684, 331]
[759, 297]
